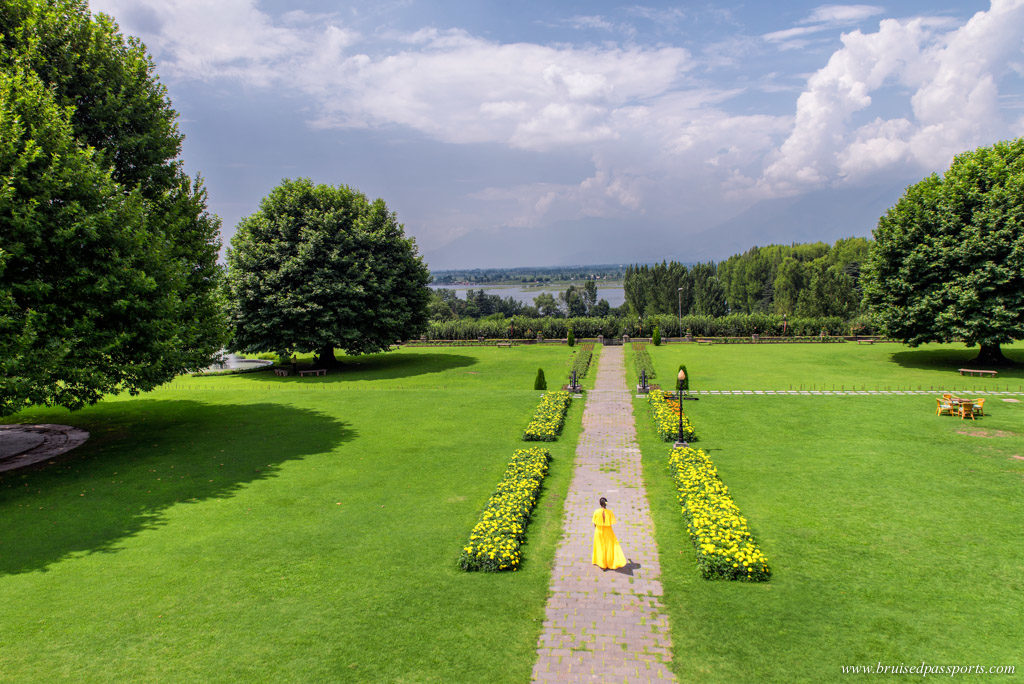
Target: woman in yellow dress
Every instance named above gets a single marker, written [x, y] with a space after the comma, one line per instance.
[607, 552]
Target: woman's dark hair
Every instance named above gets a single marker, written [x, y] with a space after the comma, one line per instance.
[602, 501]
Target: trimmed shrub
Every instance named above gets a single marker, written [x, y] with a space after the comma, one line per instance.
[684, 384]
[540, 383]
[656, 337]
[571, 339]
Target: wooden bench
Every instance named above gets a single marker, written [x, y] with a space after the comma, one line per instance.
[281, 372]
[503, 344]
[314, 371]
[974, 371]
[865, 341]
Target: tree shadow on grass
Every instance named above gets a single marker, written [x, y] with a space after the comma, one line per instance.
[949, 360]
[383, 366]
[143, 457]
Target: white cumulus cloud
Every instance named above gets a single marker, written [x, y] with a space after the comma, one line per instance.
[953, 82]
[663, 138]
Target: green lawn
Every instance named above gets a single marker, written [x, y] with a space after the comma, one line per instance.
[828, 366]
[893, 534]
[251, 527]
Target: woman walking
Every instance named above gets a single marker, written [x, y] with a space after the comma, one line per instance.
[607, 552]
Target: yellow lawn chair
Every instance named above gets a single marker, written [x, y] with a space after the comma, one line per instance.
[943, 406]
[979, 407]
[966, 410]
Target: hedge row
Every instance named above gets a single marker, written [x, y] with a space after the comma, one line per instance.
[549, 418]
[733, 325]
[581, 361]
[495, 540]
[725, 547]
[642, 360]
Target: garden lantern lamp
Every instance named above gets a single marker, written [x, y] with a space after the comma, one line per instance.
[679, 395]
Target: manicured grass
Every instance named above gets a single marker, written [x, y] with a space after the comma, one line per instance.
[251, 527]
[893, 534]
[827, 366]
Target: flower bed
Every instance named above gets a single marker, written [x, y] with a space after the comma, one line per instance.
[495, 540]
[548, 418]
[725, 547]
[581, 362]
[666, 417]
[642, 360]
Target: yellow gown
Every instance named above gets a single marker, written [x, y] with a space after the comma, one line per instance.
[607, 552]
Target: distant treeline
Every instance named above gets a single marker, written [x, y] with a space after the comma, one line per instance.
[812, 280]
[573, 301]
[732, 325]
[802, 280]
[528, 274]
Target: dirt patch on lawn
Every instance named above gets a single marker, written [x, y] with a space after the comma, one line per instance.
[990, 434]
[1017, 457]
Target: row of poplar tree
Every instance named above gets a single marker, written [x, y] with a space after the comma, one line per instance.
[808, 280]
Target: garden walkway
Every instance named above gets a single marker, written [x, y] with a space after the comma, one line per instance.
[606, 626]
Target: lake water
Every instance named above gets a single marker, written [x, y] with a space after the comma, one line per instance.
[616, 296]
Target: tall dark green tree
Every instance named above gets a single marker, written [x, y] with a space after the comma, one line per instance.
[546, 304]
[108, 272]
[573, 301]
[320, 267]
[590, 295]
[947, 263]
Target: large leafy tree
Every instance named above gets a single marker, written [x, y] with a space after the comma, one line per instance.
[947, 263]
[108, 271]
[320, 267]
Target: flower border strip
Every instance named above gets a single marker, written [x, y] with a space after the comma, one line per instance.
[725, 547]
[549, 418]
[495, 540]
[666, 421]
[642, 359]
[581, 362]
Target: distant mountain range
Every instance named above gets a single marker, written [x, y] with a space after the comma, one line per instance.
[825, 215]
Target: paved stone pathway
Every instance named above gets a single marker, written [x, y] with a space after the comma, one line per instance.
[25, 445]
[606, 626]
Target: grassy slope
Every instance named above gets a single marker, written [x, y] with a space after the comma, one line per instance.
[893, 536]
[254, 527]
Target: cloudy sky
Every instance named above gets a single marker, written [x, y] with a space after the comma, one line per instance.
[536, 133]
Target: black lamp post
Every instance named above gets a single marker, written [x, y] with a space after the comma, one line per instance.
[680, 291]
[679, 395]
